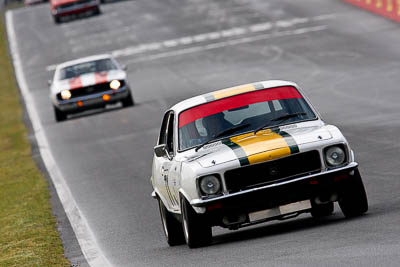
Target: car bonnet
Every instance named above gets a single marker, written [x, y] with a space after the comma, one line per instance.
[266, 145]
[89, 79]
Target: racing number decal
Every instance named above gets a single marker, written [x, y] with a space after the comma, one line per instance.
[164, 173]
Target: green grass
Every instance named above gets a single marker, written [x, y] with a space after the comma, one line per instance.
[28, 233]
[14, 5]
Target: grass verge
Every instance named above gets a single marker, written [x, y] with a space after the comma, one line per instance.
[28, 233]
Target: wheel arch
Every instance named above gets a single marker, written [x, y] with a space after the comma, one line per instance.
[183, 194]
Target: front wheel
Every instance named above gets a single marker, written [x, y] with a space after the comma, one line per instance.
[59, 115]
[97, 11]
[57, 19]
[172, 228]
[196, 228]
[353, 198]
[128, 101]
[322, 210]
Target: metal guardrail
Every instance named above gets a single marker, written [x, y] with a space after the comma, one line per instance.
[386, 8]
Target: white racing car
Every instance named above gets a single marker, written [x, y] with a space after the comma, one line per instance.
[87, 83]
[246, 155]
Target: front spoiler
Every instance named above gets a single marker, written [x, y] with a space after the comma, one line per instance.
[93, 100]
[76, 9]
[271, 188]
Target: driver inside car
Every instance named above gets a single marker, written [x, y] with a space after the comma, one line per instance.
[215, 124]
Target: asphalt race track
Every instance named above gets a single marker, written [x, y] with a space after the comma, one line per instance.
[347, 61]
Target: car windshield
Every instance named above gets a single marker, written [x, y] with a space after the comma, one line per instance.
[253, 111]
[87, 67]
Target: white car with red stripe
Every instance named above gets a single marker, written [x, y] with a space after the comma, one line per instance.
[248, 154]
[87, 83]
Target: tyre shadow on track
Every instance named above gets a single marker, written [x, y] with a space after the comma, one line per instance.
[280, 228]
[97, 111]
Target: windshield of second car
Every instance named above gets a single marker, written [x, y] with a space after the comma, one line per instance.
[87, 67]
[245, 112]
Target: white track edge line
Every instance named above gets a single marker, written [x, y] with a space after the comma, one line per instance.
[80, 226]
[244, 40]
[210, 36]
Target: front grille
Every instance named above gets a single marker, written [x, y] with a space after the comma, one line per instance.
[67, 5]
[268, 172]
[75, 3]
[88, 90]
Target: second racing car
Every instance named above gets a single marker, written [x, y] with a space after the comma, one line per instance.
[87, 83]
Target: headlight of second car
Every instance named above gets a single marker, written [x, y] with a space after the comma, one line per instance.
[65, 94]
[115, 84]
[210, 185]
[335, 156]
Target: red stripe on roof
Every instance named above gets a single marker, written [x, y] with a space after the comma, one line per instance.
[214, 107]
[75, 83]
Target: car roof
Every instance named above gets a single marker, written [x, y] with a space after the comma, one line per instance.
[83, 60]
[228, 92]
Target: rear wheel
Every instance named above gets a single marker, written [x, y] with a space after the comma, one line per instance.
[128, 101]
[172, 228]
[196, 228]
[59, 115]
[353, 198]
[322, 210]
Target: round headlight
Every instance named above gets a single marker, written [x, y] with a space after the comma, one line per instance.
[115, 84]
[210, 185]
[335, 156]
[65, 94]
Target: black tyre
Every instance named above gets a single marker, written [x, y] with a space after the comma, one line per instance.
[128, 101]
[196, 228]
[353, 198]
[59, 115]
[322, 210]
[57, 19]
[172, 228]
[97, 11]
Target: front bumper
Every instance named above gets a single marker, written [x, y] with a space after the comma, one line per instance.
[318, 188]
[81, 103]
[76, 9]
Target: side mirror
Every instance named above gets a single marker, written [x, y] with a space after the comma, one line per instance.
[49, 82]
[160, 150]
[125, 67]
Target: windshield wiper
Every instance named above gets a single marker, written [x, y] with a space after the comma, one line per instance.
[288, 116]
[281, 118]
[225, 132]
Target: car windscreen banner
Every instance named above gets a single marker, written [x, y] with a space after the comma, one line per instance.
[237, 101]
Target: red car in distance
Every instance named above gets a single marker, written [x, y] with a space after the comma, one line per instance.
[61, 8]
